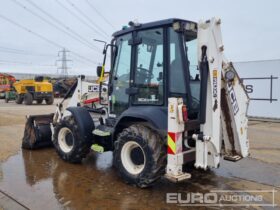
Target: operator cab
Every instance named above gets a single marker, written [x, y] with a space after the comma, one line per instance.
[151, 62]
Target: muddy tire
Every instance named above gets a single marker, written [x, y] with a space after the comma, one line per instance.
[69, 142]
[140, 155]
[28, 99]
[49, 100]
[39, 101]
[19, 99]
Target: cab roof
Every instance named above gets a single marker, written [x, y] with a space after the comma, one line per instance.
[149, 25]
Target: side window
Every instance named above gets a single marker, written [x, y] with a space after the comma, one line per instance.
[144, 58]
[191, 49]
[122, 65]
[121, 76]
[149, 68]
[176, 74]
[158, 65]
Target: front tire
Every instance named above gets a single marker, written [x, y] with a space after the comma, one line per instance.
[28, 99]
[140, 155]
[69, 142]
[50, 100]
[19, 99]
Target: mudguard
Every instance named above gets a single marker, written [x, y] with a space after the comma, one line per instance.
[157, 120]
[83, 120]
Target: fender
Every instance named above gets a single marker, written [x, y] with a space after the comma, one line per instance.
[84, 121]
[157, 120]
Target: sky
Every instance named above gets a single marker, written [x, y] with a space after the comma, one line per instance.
[250, 28]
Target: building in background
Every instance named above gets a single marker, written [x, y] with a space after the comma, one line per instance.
[261, 79]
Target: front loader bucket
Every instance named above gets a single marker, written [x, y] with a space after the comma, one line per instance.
[37, 132]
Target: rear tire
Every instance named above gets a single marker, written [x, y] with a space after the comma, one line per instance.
[28, 98]
[140, 155]
[49, 100]
[69, 142]
[19, 99]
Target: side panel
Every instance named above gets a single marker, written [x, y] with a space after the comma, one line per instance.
[81, 90]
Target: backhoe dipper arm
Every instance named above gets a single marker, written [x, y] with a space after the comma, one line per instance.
[223, 117]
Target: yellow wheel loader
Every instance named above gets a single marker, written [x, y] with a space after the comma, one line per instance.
[38, 89]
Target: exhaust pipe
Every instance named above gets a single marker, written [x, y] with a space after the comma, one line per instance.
[37, 132]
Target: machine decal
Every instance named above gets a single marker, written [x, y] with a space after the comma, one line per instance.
[93, 88]
[147, 100]
[233, 100]
[215, 89]
[171, 141]
[215, 83]
[171, 108]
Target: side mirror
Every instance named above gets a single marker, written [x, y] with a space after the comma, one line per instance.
[99, 71]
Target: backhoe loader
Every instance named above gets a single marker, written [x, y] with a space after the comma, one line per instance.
[172, 99]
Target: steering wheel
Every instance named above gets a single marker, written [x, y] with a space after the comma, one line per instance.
[145, 72]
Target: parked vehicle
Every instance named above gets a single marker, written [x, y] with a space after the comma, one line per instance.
[37, 89]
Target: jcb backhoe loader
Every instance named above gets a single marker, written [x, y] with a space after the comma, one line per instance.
[172, 99]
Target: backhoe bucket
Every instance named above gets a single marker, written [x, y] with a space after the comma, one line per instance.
[37, 133]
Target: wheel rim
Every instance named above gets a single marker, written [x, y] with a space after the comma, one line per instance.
[133, 157]
[65, 139]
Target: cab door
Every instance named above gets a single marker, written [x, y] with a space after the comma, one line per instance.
[148, 77]
[120, 78]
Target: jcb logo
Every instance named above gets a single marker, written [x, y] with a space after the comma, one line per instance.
[233, 100]
[93, 88]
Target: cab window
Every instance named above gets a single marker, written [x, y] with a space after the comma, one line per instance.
[149, 68]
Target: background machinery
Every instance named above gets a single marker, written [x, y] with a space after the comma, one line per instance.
[6, 83]
[172, 99]
[10, 95]
[37, 89]
[62, 85]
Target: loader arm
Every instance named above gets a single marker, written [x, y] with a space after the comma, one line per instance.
[224, 115]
